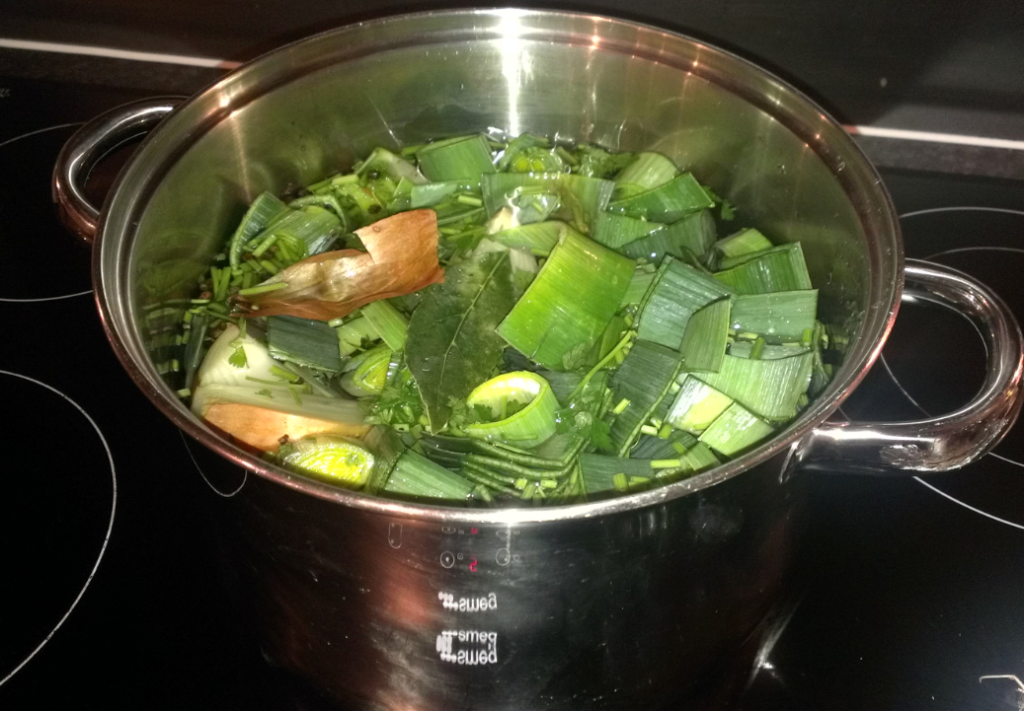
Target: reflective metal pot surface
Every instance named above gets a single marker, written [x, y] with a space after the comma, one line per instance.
[631, 602]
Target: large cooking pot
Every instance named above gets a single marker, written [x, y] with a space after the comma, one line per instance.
[634, 602]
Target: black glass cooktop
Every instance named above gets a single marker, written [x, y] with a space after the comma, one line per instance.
[913, 589]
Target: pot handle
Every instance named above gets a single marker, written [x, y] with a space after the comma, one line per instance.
[949, 441]
[89, 145]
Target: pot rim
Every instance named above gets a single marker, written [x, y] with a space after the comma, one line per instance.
[833, 145]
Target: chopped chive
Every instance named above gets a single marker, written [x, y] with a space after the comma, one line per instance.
[469, 200]
[665, 463]
[620, 483]
[263, 289]
[184, 393]
[623, 404]
[649, 430]
[665, 431]
[264, 245]
[269, 266]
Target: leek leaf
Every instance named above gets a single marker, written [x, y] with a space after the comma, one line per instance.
[616, 231]
[538, 238]
[313, 344]
[261, 213]
[672, 201]
[599, 470]
[569, 303]
[580, 199]
[779, 317]
[777, 269]
[693, 234]
[654, 447]
[456, 159]
[704, 340]
[735, 430]
[677, 293]
[696, 406]
[648, 171]
[769, 388]
[644, 378]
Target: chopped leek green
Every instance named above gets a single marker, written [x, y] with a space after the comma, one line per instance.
[693, 234]
[700, 458]
[655, 447]
[580, 199]
[669, 202]
[569, 304]
[743, 349]
[313, 344]
[769, 388]
[456, 159]
[599, 470]
[616, 231]
[639, 285]
[704, 340]
[538, 238]
[261, 213]
[735, 430]
[644, 378]
[777, 269]
[696, 406]
[678, 292]
[312, 229]
[387, 322]
[778, 317]
[356, 334]
[415, 475]
[737, 248]
[430, 194]
[648, 171]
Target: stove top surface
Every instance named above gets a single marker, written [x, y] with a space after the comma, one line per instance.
[913, 586]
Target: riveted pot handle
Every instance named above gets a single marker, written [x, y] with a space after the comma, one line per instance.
[952, 440]
[88, 145]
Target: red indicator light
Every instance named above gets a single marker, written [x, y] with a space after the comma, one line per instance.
[473, 531]
[472, 566]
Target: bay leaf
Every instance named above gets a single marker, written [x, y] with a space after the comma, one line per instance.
[452, 344]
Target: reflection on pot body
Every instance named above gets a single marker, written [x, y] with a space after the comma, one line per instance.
[632, 610]
[623, 603]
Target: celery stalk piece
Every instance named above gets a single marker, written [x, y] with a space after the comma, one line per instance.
[416, 476]
[599, 470]
[464, 158]
[329, 458]
[735, 430]
[678, 292]
[778, 269]
[768, 388]
[644, 379]
[355, 334]
[527, 427]
[696, 406]
[569, 303]
[781, 316]
[616, 231]
[385, 319]
[694, 234]
[706, 334]
[672, 201]
[313, 344]
[580, 199]
[263, 210]
[648, 171]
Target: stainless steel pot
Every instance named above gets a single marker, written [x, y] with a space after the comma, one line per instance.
[626, 603]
